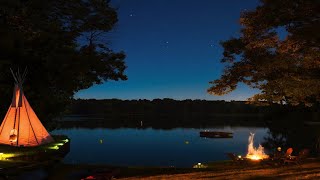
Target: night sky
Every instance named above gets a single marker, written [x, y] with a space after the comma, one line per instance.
[172, 48]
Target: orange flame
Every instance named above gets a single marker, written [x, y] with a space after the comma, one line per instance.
[253, 153]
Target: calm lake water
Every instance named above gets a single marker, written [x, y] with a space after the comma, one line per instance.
[181, 147]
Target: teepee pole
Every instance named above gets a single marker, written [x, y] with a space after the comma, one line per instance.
[30, 123]
[14, 77]
[18, 129]
[24, 75]
[14, 123]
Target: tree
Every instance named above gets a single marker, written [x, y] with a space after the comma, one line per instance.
[286, 70]
[63, 46]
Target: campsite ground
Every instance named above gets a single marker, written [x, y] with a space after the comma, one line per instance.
[217, 170]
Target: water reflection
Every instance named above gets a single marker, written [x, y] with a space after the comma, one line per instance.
[176, 141]
[151, 147]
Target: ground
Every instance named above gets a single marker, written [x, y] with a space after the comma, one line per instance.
[306, 171]
[309, 169]
[217, 170]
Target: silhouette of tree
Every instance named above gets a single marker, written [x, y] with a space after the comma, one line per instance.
[277, 52]
[290, 130]
[62, 43]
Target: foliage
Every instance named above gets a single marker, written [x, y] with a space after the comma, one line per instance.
[62, 45]
[286, 70]
[168, 113]
[291, 130]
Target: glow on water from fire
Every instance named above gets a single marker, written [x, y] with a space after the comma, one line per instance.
[255, 153]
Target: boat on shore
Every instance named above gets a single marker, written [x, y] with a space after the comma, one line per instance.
[216, 134]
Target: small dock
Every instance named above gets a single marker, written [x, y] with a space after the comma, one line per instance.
[216, 134]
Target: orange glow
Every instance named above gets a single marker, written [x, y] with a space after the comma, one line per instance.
[255, 154]
[21, 126]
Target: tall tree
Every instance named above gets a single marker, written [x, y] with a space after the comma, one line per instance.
[286, 70]
[62, 43]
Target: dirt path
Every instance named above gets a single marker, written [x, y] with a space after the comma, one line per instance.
[305, 171]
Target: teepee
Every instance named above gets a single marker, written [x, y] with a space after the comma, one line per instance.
[21, 126]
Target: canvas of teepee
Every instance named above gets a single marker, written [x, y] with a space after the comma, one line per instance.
[21, 126]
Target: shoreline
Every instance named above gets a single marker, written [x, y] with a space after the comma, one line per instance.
[309, 169]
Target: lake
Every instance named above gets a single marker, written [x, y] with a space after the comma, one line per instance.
[179, 147]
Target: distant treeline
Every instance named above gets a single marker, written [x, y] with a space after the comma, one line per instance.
[161, 108]
[171, 107]
[169, 113]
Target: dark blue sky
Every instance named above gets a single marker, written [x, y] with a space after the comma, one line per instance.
[172, 48]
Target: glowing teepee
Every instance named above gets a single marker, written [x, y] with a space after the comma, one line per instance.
[21, 126]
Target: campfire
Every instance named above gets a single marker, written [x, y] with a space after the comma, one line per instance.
[254, 153]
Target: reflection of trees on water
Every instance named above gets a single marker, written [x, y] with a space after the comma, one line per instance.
[157, 123]
[292, 130]
[286, 129]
